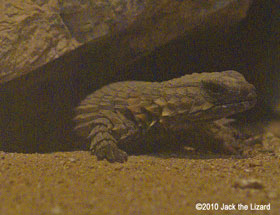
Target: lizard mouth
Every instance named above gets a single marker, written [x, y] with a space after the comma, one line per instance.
[237, 107]
[223, 110]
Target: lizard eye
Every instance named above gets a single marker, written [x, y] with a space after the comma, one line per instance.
[214, 88]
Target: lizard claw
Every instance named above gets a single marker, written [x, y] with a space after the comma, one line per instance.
[110, 152]
[232, 148]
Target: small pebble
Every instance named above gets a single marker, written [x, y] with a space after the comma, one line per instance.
[248, 184]
[119, 168]
[255, 164]
[72, 159]
[56, 210]
[272, 195]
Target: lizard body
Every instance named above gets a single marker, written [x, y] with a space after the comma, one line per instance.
[128, 109]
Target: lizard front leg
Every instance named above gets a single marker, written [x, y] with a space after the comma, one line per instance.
[215, 136]
[104, 145]
[106, 131]
[222, 136]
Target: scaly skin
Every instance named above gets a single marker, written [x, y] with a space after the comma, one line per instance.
[126, 110]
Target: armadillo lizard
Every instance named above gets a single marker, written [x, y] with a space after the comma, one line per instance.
[126, 109]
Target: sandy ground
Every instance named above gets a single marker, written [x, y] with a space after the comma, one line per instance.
[75, 183]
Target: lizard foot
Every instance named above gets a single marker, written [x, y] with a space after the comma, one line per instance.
[109, 151]
[231, 148]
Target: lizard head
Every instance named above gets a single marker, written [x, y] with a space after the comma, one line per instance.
[216, 95]
[222, 94]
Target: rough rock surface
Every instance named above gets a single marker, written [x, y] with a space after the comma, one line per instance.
[31, 35]
[36, 32]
